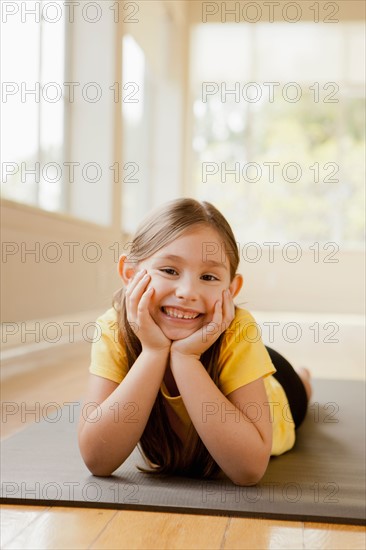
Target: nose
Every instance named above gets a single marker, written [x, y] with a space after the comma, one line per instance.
[186, 289]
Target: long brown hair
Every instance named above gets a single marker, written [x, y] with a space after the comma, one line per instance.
[161, 448]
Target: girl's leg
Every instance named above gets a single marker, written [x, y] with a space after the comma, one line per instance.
[305, 376]
[296, 385]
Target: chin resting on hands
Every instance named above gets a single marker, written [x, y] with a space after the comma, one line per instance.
[198, 342]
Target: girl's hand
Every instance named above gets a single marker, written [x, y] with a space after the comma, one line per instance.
[198, 342]
[137, 307]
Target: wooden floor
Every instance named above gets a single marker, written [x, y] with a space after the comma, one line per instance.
[62, 379]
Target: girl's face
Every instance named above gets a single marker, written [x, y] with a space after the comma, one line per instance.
[189, 276]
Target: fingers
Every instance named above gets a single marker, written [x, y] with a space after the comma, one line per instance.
[137, 298]
[224, 311]
[145, 300]
[229, 307]
[135, 281]
[137, 285]
[217, 315]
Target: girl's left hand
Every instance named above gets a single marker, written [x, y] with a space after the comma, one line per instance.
[198, 342]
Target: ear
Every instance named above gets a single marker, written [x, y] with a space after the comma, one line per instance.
[236, 284]
[125, 269]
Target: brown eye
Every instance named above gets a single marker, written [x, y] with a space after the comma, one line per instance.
[169, 271]
[212, 278]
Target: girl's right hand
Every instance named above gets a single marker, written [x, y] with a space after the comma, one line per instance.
[137, 307]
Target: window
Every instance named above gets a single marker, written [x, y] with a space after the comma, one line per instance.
[279, 129]
[152, 111]
[136, 127]
[33, 52]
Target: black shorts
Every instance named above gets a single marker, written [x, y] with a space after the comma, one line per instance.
[292, 385]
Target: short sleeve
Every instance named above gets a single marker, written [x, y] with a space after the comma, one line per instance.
[108, 357]
[243, 357]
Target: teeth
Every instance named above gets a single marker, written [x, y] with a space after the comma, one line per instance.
[172, 312]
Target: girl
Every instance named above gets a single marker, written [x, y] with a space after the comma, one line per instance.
[179, 369]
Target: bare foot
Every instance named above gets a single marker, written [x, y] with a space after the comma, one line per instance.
[305, 376]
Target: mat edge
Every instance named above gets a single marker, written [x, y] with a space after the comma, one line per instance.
[179, 510]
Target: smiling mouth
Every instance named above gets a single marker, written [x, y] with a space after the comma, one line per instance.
[175, 313]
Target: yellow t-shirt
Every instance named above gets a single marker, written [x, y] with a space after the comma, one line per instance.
[243, 359]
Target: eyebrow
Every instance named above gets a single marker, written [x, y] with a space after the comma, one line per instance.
[175, 258]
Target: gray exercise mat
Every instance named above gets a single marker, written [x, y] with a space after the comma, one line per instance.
[321, 479]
